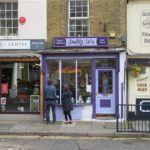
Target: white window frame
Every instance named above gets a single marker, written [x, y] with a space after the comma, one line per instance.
[78, 18]
[12, 19]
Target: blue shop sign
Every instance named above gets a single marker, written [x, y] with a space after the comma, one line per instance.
[80, 42]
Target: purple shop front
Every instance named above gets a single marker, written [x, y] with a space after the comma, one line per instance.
[92, 76]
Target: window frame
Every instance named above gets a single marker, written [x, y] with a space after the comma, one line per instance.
[78, 18]
[12, 28]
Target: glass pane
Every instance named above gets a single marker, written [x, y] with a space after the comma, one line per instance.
[53, 73]
[85, 33]
[15, 14]
[15, 31]
[9, 31]
[15, 23]
[8, 14]
[9, 23]
[72, 28]
[2, 6]
[106, 63]
[20, 98]
[105, 82]
[15, 6]
[2, 14]
[8, 6]
[72, 22]
[84, 81]
[72, 3]
[2, 23]
[68, 77]
[72, 34]
[2, 31]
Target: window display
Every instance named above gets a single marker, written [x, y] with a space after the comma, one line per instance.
[74, 73]
[22, 80]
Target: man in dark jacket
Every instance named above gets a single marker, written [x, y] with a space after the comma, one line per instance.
[50, 100]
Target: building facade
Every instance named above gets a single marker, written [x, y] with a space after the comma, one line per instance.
[22, 34]
[138, 46]
[86, 50]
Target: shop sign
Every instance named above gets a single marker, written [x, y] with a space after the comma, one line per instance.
[145, 27]
[142, 85]
[4, 88]
[22, 44]
[143, 107]
[75, 42]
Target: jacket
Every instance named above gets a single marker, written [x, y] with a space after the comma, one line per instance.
[66, 101]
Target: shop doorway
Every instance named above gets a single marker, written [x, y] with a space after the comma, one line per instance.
[105, 91]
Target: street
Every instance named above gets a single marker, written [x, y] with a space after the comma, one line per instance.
[71, 143]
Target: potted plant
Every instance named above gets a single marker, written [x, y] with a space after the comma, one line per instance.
[135, 69]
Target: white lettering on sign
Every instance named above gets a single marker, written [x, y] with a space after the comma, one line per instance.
[81, 42]
[14, 44]
[145, 27]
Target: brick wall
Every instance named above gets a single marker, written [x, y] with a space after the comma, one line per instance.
[105, 16]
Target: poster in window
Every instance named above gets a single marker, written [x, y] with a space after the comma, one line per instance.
[34, 103]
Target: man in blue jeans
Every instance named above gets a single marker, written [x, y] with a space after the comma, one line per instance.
[50, 100]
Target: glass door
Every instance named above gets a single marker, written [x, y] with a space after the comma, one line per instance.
[105, 91]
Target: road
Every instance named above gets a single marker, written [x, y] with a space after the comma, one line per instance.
[70, 143]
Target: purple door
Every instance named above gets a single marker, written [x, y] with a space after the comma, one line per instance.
[105, 91]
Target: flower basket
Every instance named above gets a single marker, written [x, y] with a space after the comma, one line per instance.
[135, 70]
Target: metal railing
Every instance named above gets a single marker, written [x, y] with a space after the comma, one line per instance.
[133, 118]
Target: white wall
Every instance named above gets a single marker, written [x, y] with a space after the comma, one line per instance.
[35, 27]
[35, 13]
[136, 27]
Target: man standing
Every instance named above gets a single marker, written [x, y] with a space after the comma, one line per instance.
[50, 100]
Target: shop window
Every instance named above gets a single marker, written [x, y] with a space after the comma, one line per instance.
[84, 82]
[8, 18]
[23, 86]
[78, 18]
[106, 63]
[74, 73]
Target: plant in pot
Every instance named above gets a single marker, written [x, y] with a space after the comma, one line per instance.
[135, 69]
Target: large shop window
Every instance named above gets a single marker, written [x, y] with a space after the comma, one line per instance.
[20, 83]
[78, 18]
[8, 18]
[74, 73]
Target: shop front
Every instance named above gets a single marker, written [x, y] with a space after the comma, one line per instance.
[94, 79]
[20, 77]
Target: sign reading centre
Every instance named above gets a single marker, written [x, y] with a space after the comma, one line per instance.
[22, 44]
[75, 42]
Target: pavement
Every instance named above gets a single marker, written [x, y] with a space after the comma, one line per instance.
[38, 127]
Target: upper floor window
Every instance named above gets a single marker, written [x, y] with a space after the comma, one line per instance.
[78, 17]
[8, 18]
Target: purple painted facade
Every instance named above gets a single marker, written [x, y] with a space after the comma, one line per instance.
[93, 64]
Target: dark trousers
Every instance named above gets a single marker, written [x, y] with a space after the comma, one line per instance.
[50, 105]
[67, 115]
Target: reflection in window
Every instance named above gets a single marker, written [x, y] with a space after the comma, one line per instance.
[84, 81]
[105, 82]
[23, 80]
[74, 73]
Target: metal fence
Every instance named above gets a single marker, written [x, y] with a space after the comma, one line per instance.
[133, 118]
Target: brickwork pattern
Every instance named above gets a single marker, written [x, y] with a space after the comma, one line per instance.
[104, 16]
